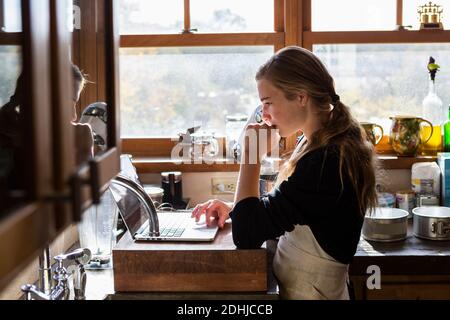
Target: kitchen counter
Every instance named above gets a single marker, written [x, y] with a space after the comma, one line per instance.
[404, 260]
[409, 257]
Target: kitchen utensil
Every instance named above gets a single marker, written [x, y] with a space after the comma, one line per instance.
[432, 223]
[405, 135]
[386, 225]
[371, 132]
[173, 187]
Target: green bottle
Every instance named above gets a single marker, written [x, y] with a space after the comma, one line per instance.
[447, 133]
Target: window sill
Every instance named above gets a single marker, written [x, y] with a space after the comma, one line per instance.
[396, 162]
[160, 164]
[148, 165]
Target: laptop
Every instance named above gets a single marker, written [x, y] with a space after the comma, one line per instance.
[173, 226]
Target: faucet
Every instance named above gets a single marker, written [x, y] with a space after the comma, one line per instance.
[61, 291]
[147, 202]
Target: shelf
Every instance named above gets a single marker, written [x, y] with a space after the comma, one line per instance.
[396, 162]
[148, 165]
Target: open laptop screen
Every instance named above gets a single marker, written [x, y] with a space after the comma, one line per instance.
[130, 207]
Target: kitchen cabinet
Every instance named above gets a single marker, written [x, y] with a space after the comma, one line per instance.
[42, 189]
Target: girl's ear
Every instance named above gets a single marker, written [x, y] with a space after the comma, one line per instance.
[302, 98]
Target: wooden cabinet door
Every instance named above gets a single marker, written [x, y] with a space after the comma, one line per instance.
[25, 135]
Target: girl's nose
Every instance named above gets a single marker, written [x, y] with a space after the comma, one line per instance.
[267, 118]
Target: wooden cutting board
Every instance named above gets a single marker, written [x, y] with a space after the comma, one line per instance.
[189, 267]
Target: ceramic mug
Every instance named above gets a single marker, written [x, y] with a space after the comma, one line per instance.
[374, 132]
[405, 135]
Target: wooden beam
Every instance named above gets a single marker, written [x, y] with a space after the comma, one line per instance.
[422, 36]
[399, 12]
[11, 39]
[187, 16]
[279, 15]
[192, 40]
[292, 26]
[305, 22]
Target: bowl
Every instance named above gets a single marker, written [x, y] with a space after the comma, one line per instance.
[386, 225]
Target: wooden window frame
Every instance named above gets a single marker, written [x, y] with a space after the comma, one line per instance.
[311, 38]
[152, 154]
[97, 55]
[292, 26]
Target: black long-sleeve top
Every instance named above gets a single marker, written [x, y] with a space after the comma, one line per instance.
[313, 196]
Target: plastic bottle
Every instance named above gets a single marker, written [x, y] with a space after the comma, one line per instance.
[446, 129]
[426, 178]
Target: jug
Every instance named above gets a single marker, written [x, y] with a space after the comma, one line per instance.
[405, 136]
[204, 145]
[371, 132]
[97, 231]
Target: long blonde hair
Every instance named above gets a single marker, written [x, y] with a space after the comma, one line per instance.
[294, 69]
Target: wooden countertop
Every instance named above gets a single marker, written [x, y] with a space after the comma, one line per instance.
[412, 256]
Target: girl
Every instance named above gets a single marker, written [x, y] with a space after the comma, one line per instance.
[324, 190]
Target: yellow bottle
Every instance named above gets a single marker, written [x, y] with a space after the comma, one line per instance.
[434, 145]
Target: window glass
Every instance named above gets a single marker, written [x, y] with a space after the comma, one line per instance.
[411, 16]
[232, 16]
[379, 81]
[165, 91]
[353, 15]
[152, 17]
[13, 183]
[10, 16]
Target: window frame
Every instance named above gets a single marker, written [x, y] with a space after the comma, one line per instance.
[292, 26]
[147, 152]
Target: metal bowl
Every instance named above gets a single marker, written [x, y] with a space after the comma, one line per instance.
[386, 225]
[432, 223]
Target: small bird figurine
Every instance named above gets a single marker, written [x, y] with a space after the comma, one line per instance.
[433, 68]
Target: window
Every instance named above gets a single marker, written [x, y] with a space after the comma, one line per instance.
[167, 90]
[378, 81]
[353, 15]
[225, 16]
[379, 66]
[192, 63]
[151, 17]
[411, 17]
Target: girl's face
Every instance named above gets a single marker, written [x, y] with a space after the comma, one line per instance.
[286, 115]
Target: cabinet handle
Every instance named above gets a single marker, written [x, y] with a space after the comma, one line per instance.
[76, 184]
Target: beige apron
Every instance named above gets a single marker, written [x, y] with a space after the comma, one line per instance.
[306, 272]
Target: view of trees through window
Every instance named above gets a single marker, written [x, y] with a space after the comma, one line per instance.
[168, 90]
[379, 81]
[10, 69]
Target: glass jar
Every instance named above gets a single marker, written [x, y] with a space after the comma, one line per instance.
[234, 126]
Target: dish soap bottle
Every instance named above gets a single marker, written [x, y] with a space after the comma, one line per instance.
[432, 111]
[446, 128]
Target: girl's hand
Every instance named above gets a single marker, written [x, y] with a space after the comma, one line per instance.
[213, 209]
[260, 140]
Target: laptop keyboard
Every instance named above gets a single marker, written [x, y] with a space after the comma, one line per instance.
[173, 225]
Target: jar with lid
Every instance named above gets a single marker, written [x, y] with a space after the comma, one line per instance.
[235, 124]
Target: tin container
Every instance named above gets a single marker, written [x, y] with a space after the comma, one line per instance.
[428, 200]
[406, 200]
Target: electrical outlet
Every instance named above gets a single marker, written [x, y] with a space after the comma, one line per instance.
[223, 186]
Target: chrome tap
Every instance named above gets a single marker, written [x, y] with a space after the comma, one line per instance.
[61, 291]
[76, 261]
[144, 198]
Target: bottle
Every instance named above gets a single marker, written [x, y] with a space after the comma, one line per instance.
[433, 112]
[447, 133]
